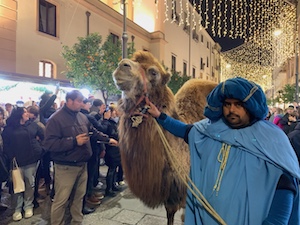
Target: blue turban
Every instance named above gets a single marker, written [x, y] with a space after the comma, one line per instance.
[248, 92]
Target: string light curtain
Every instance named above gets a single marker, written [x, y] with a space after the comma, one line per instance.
[254, 21]
[269, 47]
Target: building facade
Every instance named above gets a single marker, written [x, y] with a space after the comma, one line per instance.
[32, 35]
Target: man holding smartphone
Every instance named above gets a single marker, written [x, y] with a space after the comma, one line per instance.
[68, 142]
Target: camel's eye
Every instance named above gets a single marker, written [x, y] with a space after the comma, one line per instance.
[153, 72]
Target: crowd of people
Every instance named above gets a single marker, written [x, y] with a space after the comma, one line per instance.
[242, 155]
[71, 140]
[289, 121]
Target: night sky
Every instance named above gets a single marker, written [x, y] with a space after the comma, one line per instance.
[228, 43]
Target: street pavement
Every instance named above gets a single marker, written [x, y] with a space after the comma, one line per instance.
[124, 209]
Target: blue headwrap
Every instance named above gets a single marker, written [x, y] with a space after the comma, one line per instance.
[239, 88]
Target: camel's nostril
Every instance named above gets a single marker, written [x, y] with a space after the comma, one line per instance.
[126, 65]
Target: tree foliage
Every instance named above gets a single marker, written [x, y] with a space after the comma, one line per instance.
[286, 95]
[90, 63]
[177, 81]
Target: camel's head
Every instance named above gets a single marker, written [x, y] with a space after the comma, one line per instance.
[143, 73]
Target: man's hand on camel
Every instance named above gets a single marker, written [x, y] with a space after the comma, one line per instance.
[153, 110]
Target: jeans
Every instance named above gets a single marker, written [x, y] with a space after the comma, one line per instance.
[24, 199]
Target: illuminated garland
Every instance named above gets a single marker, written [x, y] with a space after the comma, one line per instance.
[254, 21]
[264, 51]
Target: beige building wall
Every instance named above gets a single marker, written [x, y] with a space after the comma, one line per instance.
[8, 25]
[158, 36]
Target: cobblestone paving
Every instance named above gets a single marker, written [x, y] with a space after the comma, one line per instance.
[124, 209]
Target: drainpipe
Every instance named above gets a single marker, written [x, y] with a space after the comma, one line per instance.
[88, 14]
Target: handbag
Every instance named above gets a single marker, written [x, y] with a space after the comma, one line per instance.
[17, 178]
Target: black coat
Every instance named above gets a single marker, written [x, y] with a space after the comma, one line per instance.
[46, 108]
[112, 156]
[21, 142]
[294, 137]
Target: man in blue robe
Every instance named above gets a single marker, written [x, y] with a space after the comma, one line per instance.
[243, 165]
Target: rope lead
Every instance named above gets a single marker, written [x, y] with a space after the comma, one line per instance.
[186, 179]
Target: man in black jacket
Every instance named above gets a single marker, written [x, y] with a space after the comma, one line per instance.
[294, 138]
[67, 138]
[93, 197]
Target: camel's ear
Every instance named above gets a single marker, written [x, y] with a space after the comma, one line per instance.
[166, 77]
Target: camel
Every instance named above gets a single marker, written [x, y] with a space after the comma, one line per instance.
[146, 166]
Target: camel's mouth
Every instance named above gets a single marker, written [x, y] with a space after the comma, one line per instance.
[120, 84]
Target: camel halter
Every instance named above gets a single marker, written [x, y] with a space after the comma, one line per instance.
[137, 118]
[175, 164]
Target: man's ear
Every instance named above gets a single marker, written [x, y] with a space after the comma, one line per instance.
[166, 77]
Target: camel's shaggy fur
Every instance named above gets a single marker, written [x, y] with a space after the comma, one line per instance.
[191, 99]
[146, 166]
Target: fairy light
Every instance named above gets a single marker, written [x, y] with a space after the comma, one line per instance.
[258, 57]
[173, 11]
[240, 18]
[181, 13]
[252, 21]
[187, 19]
[245, 18]
[219, 18]
[166, 11]
[200, 17]
[206, 14]
[156, 7]
[194, 16]
[236, 16]
[225, 18]
[231, 20]
[213, 26]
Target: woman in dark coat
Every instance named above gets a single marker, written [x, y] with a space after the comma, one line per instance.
[21, 140]
[112, 156]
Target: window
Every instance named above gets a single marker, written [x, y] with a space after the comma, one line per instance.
[114, 38]
[173, 63]
[194, 72]
[201, 64]
[47, 18]
[207, 61]
[202, 39]
[195, 36]
[184, 68]
[45, 69]
[207, 45]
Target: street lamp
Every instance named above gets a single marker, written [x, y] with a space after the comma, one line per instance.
[124, 36]
[296, 62]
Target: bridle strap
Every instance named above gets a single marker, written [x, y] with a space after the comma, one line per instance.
[144, 96]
